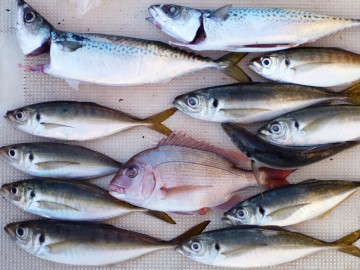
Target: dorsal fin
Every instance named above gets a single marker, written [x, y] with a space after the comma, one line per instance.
[220, 14]
[180, 139]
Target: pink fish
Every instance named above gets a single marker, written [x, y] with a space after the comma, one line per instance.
[183, 175]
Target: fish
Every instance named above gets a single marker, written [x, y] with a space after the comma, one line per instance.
[263, 153]
[182, 175]
[83, 243]
[256, 102]
[80, 121]
[317, 67]
[108, 59]
[254, 246]
[69, 200]
[58, 160]
[314, 126]
[246, 29]
[292, 204]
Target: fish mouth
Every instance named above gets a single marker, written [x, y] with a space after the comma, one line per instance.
[10, 232]
[21, 2]
[153, 12]
[256, 67]
[114, 188]
[2, 192]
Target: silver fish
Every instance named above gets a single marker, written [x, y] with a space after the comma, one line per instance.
[81, 243]
[80, 121]
[313, 126]
[108, 59]
[244, 29]
[319, 67]
[57, 160]
[291, 204]
[253, 246]
[256, 102]
[69, 200]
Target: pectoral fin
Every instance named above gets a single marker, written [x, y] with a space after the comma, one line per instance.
[61, 247]
[53, 125]
[46, 205]
[310, 66]
[53, 165]
[241, 250]
[285, 212]
[69, 46]
[233, 113]
[176, 191]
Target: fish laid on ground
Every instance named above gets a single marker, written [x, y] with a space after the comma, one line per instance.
[253, 246]
[291, 204]
[256, 102]
[58, 160]
[69, 200]
[263, 153]
[244, 29]
[108, 59]
[320, 67]
[183, 175]
[312, 126]
[82, 243]
[80, 121]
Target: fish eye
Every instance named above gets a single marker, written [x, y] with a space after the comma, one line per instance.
[12, 153]
[276, 128]
[171, 10]
[14, 190]
[29, 15]
[266, 62]
[196, 246]
[131, 172]
[20, 231]
[20, 115]
[242, 213]
[193, 102]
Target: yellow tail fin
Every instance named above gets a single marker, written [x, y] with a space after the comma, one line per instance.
[345, 244]
[161, 215]
[230, 68]
[156, 120]
[189, 233]
[353, 94]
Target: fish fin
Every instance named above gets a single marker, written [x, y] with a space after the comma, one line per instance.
[174, 191]
[271, 178]
[234, 200]
[61, 247]
[229, 66]
[53, 165]
[317, 122]
[69, 46]
[203, 211]
[180, 139]
[184, 213]
[285, 212]
[74, 84]
[309, 181]
[345, 244]
[160, 215]
[156, 120]
[241, 250]
[54, 206]
[189, 233]
[325, 214]
[353, 94]
[241, 112]
[220, 14]
[53, 125]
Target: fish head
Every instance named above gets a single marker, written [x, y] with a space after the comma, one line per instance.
[197, 104]
[19, 193]
[242, 214]
[179, 22]
[200, 248]
[17, 155]
[32, 30]
[274, 66]
[279, 131]
[134, 182]
[23, 118]
[26, 236]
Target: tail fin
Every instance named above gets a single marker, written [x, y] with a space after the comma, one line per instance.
[230, 68]
[271, 178]
[345, 244]
[353, 94]
[156, 120]
[189, 233]
[160, 215]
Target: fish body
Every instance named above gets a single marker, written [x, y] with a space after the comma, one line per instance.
[57, 160]
[291, 204]
[181, 175]
[253, 246]
[256, 102]
[279, 156]
[318, 67]
[67, 200]
[82, 243]
[312, 126]
[115, 60]
[79, 121]
[244, 29]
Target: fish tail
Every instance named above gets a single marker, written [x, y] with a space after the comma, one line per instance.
[229, 66]
[155, 121]
[271, 178]
[353, 94]
[189, 233]
[345, 244]
[160, 215]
